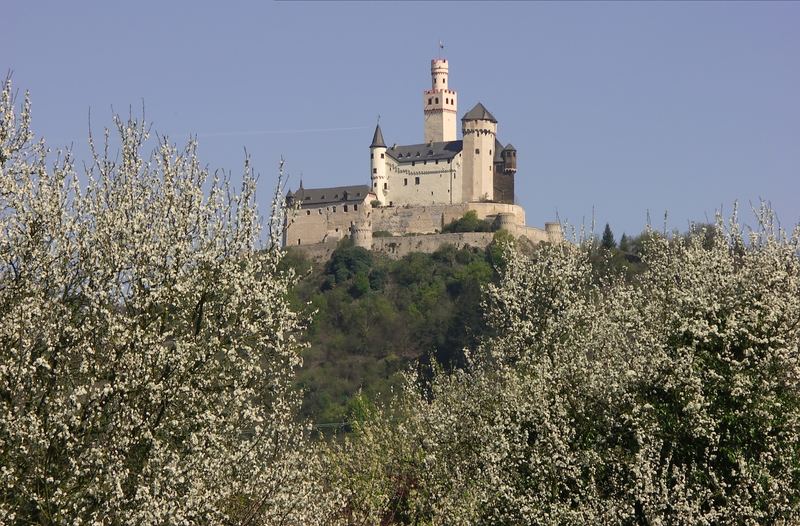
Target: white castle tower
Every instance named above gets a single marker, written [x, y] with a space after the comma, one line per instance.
[440, 104]
[377, 164]
[479, 128]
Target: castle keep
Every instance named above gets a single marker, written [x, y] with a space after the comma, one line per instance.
[419, 188]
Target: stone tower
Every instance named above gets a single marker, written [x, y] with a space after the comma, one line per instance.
[377, 164]
[479, 128]
[440, 104]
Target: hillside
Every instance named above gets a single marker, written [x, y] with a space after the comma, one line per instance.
[371, 317]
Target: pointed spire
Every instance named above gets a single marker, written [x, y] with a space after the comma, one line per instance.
[377, 139]
[479, 113]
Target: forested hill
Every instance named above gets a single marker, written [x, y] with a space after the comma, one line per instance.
[370, 317]
[375, 315]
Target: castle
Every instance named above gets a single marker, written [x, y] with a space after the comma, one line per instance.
[419, 188]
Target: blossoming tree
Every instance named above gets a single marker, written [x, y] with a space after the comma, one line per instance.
[673, 398]
[147, 348]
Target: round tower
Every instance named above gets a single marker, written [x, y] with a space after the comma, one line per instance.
[361, 234]
[479, 128]
[554, 232]
[507, 221]
[440, 105]
[377, 165]
[509, 155]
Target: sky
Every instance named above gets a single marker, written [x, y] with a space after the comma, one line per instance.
[617, 110]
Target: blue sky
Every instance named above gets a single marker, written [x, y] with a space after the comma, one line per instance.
[618, 108]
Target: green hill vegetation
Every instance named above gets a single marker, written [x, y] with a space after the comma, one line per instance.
[371, 317]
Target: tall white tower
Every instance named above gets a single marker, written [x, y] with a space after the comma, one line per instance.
[479, 128]
[377, 165]
[440, 104]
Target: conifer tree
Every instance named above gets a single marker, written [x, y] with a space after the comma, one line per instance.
[608, 241]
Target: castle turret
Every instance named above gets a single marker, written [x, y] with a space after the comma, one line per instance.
[509, 155]
[440, 105]
[377, 164]
[479, 128]
[361, 234]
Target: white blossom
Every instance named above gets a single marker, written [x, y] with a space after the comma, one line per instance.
[147, 346]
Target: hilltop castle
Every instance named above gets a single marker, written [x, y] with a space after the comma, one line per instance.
[419, 188]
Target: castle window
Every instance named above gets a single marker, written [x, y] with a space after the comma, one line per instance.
[385, 186]
[430, 101]
[355, 207]
[320, 211]
[322, 196]
[477, 151]
[437, 161]
[416, 180]
[298, 241]
[374, 170]
[437, 100]
[490, 152]
[424, 162]
[345, 208]
[381, 156]
[372, 156]
[308, 212]
[405, 182]
[334, 209]
[413, 163]
[374, 185]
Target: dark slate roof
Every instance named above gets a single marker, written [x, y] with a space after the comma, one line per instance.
[498, 151]
[479, 113]
[377, 139]
[510, 146]
[336, 194]
[425, 152]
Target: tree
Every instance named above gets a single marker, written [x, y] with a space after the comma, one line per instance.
[672, 399]
[147, 348]
[624, 243]
[608, 241]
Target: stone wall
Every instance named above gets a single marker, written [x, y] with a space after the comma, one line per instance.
[319, 224]
[311, 226]
[398, 247]
[430, 219]
[425, 182]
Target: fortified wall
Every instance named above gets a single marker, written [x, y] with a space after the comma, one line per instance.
[421, 227]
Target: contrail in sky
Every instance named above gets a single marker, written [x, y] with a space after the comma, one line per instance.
[278, 132]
